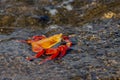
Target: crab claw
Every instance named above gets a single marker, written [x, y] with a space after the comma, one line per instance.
[68, 42]
[65, 37]
[39, 54]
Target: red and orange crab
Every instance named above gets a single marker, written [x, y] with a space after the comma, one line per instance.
[43, 45]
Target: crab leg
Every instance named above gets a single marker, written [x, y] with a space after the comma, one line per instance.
[40, 53]
[36, 38]
[33, 39]
[53, 51]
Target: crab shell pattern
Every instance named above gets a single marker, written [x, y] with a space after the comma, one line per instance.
[43, 45]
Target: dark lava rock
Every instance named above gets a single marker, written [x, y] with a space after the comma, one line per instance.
[95, 55]
[89, 59]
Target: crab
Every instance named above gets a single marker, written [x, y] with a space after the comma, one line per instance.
[55, 46]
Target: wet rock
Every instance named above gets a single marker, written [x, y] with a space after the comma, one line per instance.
[95, 56]
[7, 20]
[90, 63]
[6, 79]
[42, 19]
